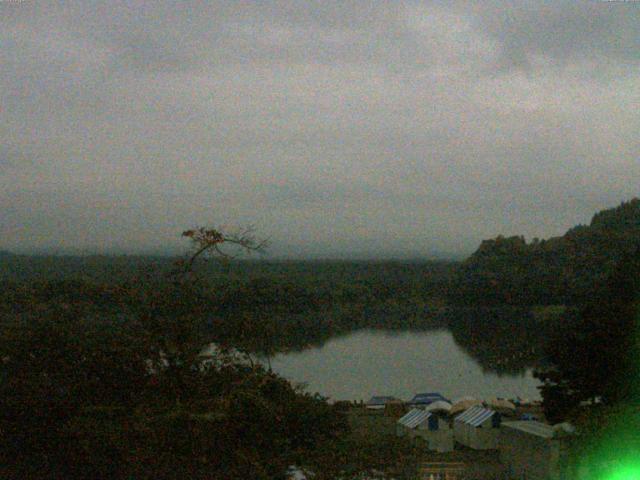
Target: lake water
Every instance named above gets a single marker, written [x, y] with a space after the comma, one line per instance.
[372, 362]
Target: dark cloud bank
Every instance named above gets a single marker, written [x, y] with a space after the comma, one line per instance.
[336, 128]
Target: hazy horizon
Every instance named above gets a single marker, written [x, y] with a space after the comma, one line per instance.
[279, 254]
[348, 130]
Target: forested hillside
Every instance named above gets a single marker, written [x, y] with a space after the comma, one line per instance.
[259, 305]
[560, 270]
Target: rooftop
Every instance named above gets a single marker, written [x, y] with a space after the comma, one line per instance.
[532, 427]
[426, 398]
[414, 418]
[475, 416]
[381, 400]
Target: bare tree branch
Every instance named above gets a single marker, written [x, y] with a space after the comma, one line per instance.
[209, 241]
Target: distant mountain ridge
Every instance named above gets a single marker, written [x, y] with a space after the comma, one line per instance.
[560, 270]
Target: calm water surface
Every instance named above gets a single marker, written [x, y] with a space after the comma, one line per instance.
[366, 363]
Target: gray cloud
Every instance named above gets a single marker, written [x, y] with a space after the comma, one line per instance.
[564, 31]
[337, 128]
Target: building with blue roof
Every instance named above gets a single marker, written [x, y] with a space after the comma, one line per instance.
[424, 399]
[379, 402]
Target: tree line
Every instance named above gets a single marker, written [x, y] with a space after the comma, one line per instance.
[563, 270]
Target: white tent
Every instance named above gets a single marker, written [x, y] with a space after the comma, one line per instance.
[477, 428]
[501, 405]
[428, 428]
[463, 404]
[439, 406]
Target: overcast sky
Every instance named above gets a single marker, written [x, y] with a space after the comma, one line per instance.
[350, 129]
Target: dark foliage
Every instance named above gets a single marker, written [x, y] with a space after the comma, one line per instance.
[595, 350]
[562, 270]
[86, 395]
[506, 340]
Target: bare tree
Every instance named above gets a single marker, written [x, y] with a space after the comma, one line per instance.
[214, 242]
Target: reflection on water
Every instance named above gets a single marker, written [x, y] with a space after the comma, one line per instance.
[374, 362]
